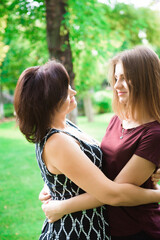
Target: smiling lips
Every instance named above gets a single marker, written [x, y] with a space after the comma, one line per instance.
[121, 93]
[72, 99]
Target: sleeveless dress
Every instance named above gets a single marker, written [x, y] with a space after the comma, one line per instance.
[83, 225]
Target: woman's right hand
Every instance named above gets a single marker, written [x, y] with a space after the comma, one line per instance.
[156, 178]
[53, 210]
[44, 195]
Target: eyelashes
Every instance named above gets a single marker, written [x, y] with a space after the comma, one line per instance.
[121, 79]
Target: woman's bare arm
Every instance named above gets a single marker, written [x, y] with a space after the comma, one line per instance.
[78, 167]
[56, 209]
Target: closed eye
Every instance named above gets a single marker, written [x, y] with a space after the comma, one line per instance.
[121, 77]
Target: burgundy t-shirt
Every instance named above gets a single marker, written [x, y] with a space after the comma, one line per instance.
[143, 141]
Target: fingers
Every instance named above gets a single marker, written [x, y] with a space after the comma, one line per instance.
[155, 178]
[156, 186]
[50, 220]
[52, 210]
[46, 200]
[43, 196]
[44, 206]
[158, 171]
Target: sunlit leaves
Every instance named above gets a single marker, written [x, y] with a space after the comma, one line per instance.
[3, 48]
[97, 31]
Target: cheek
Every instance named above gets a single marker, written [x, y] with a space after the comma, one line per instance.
[125, 85]
[67, 100]
[67, 103]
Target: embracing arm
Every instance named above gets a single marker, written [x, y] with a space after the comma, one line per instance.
[78, 167]
[133, 173]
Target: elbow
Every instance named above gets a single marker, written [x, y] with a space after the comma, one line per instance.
[114, 198]
[114, 201]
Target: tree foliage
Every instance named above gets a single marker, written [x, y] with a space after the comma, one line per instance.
[97, 31]
[26, 37]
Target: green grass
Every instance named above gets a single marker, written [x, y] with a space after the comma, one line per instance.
[20, 183]
[21, 217]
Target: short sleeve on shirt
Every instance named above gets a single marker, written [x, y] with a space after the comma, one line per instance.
[149, 146]
[112, 122]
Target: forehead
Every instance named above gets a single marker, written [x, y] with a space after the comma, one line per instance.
[119, 69]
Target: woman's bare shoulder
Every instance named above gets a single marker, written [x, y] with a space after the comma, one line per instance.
[59, 142]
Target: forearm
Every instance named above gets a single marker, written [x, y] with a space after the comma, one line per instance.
[127, 195]
[133, 197]
[124, 195]
[133, 173]
[130, 195]
[56, 209]
[79, 203]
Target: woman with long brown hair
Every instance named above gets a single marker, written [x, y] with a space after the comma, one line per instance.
[69, 160]
[130, 146]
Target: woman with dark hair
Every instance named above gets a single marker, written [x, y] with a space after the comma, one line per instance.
[130, 146]
[69, 160]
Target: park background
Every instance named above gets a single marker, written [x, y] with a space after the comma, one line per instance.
[83, 35]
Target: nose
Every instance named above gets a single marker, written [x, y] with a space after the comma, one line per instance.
[117, 84]
[73, 92]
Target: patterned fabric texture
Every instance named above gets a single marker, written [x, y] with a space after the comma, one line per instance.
[84, 225]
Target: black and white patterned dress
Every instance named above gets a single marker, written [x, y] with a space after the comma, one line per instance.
[83, 225]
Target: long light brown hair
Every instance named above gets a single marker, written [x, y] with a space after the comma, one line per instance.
[141, 67]
[39, 92]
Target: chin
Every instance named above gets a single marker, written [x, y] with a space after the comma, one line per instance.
[73, 104]
[122, 100]
[72, 107]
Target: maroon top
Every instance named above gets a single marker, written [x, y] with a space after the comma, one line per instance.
[143, 141]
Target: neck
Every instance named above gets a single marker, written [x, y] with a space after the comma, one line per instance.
[59, 121]
[131, 123]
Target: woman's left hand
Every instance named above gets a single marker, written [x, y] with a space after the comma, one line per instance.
[44, 195]
[156, 177]
[53, 210]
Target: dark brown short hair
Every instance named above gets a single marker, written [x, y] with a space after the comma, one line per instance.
[142, 73]
[39, 91]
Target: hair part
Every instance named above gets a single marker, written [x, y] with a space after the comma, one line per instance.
[39, 92]
[142, 73]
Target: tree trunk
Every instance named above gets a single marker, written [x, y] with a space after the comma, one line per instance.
[58, 37]
[88, 107]
[1, 111]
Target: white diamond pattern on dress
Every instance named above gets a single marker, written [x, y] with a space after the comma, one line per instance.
[84, 225]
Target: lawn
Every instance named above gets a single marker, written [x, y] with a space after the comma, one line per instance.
[21, 217]
[20, 210]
